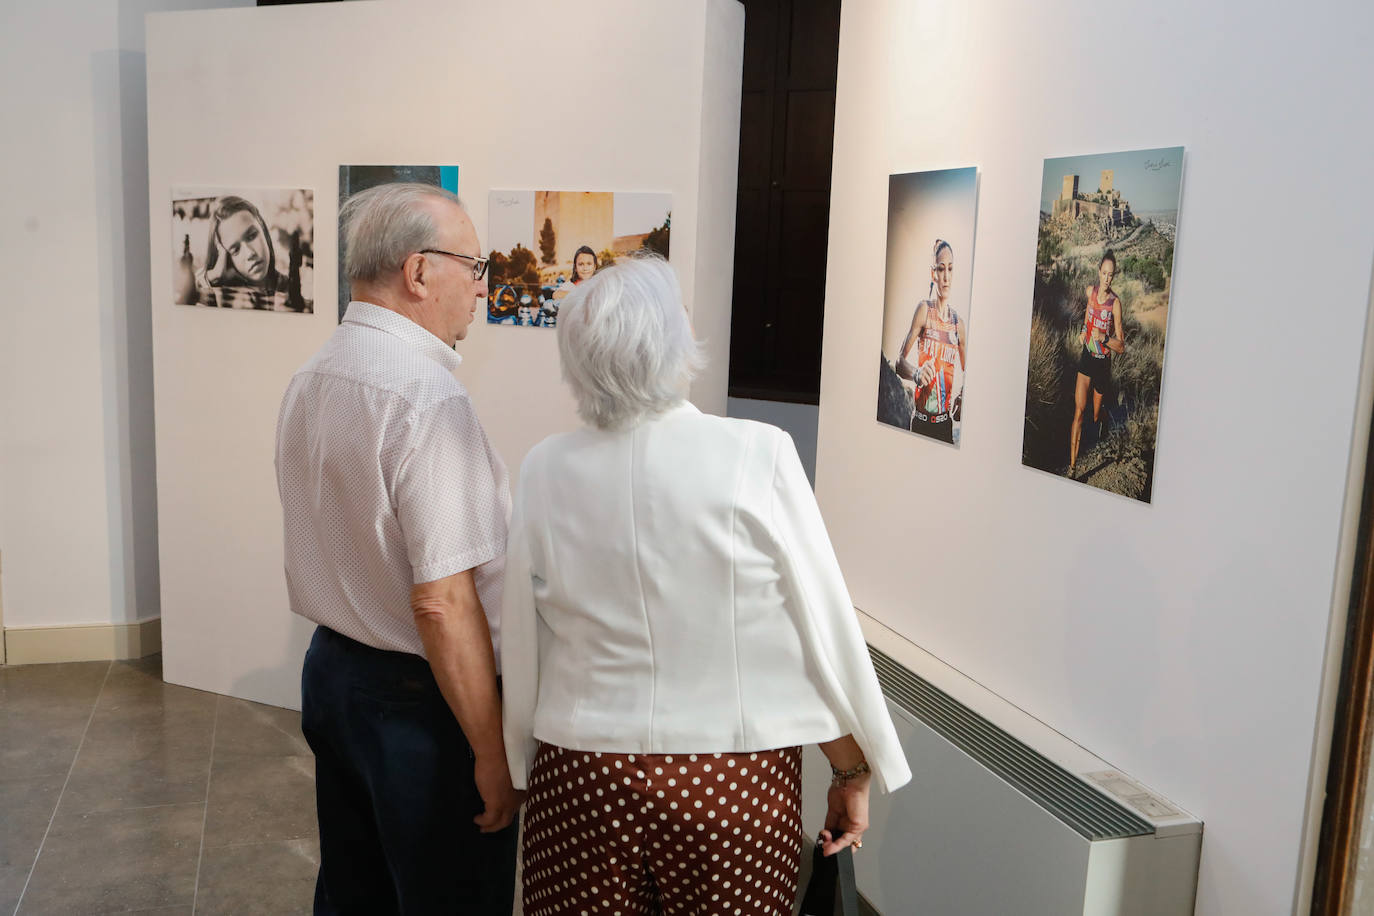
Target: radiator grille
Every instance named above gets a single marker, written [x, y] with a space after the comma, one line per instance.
[1090, 813]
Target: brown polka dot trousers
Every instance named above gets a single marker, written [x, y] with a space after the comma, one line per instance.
[678, 834]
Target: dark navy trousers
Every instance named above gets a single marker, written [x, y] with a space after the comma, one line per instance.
[394, 790]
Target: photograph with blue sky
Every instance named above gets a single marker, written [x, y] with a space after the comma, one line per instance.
[1152, 175]
[1103, 288]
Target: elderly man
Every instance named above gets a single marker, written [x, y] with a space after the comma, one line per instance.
[395, 509]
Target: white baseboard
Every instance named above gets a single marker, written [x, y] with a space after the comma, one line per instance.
[99, 642]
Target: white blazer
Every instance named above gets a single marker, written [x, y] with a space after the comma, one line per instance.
[670, 588]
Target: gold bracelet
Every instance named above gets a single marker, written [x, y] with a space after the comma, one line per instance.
[841, 778]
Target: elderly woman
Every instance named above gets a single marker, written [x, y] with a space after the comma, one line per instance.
[675, 626]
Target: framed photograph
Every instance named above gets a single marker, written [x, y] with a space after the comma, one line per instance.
[544, 243]
[244, 249]
[355, 178]
[928, 301]
[1104, 266]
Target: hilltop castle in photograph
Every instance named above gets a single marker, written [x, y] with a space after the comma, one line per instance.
[1104, 205]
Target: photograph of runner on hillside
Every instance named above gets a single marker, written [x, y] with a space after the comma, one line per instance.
[1100, 309]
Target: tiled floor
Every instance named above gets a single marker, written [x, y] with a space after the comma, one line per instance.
[119, 793]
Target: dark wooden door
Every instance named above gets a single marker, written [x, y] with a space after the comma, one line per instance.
[1352, 741]
[787, 122]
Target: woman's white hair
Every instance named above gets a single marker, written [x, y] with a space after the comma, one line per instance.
[383, 226]
[626, 343]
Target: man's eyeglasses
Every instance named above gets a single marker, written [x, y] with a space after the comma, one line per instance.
[479, 265]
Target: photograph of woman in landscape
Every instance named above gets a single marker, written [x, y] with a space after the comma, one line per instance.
[1102, 336]
[1104, 265]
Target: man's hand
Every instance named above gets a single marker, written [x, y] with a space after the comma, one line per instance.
[453, 628]
[501, 801]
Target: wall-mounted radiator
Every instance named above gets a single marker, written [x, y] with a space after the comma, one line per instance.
[1004, 816]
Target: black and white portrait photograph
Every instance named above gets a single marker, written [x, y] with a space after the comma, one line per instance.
[244, 249]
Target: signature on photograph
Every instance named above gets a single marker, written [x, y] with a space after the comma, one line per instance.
[1157, 165]
[506, 201]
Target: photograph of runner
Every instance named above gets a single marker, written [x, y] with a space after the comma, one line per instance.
[923, 365]
[1099, 315]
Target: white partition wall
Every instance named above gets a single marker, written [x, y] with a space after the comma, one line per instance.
[1182, 641]
[78, 508]
[612, 95]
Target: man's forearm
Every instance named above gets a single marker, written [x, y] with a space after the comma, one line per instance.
[457, 642]
[453, 628]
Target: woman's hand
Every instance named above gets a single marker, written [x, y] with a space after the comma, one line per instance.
[926, 374]
[214, 274]
[1116, 345]
[847, 816]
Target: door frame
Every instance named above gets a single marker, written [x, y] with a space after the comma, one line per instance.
[1343, 748]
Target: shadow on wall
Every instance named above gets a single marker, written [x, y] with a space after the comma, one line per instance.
[120, 159]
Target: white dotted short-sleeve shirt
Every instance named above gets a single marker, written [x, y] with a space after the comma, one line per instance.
[386, 480]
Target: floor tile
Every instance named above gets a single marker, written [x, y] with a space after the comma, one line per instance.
[150, 751]
[38, 742]
[142, 694]
[46, 686]
[265, 878]
[26, 807]
[119, 860]
[250, 728]
[151, 664]
[127, 836]
[149, 667]
[43, 714]
[152, 771]
[179, 714]
[12, 878]
[260, 799]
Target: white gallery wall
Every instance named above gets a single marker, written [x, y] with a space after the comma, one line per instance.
[609, 95]
[1182, 641]
[78, 525]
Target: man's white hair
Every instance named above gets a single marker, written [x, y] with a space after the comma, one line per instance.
[383, 226]
[626, 343]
